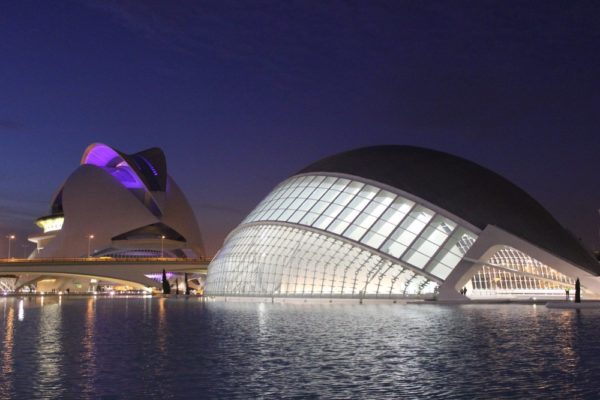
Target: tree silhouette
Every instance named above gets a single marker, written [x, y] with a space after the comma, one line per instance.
[177, 287]
[165, 284]
[187, 288]
[577, 291]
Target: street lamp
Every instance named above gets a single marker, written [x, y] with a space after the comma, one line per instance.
[25, 246]
[90, 244]
[162, 245]
[10, 238]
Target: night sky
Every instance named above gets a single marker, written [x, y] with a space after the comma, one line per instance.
[242, 94]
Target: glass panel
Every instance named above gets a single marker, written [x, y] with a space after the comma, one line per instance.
[451, 253]
[429, 241]
[408, 230]
[373, 239]
[281, 261]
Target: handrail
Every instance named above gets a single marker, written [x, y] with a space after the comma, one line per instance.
[58, 260]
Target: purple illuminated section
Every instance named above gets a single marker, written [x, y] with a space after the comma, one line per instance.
[127, 177]
[154, 172]
[100, 155]
[158, 277]
[103, 156]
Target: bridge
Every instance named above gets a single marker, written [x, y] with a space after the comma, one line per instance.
[127, 271]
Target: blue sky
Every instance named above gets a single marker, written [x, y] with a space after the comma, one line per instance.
[240, 95]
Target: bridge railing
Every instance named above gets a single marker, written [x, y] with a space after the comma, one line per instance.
[111, 260]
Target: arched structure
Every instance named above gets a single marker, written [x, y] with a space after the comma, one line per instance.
[120, 206]
[127, 202]
[399, 221]
[77, 274]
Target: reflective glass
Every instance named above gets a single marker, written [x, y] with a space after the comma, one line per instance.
[364, 213]
[293, 262]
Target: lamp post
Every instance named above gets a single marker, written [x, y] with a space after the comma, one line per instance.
[162, 245]
[10, 238]
[90, 237]
[25, 246]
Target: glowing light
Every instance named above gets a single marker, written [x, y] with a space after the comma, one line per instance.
[90, 237]
[103, 156]
[21, 314]
[154, 172]
[51, 224]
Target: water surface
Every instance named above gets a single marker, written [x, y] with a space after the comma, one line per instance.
[175, 348]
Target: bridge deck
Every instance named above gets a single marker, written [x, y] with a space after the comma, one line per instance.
[104, 261]
[133, 270]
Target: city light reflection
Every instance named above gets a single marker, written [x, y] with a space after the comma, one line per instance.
[88, 355]
[7, 351]
[21, 315]
[49, 353]
[162, 327]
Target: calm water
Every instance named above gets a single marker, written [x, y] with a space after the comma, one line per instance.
[174, 348]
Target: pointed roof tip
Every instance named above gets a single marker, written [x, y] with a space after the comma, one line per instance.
[149, 165]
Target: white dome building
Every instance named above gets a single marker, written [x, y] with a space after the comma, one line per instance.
[116, 206]
[392, 222]
[127, 202]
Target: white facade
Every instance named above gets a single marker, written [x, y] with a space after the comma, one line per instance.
[116, 206]
[106, 208]
[336, 235]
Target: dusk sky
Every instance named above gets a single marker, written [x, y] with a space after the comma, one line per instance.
[242, 94]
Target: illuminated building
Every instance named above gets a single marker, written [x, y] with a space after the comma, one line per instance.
[127, 202]
[393, 222]
[117, 205]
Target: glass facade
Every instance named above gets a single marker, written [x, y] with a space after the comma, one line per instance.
[512, 272]
[390, 243]
[276, 260]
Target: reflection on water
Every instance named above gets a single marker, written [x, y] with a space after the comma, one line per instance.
[178, 347]
[161, 330]
[21, 310]
[7, 350]
[88, 359]
[48, 352]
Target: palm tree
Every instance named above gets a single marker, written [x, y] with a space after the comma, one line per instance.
[165, 284]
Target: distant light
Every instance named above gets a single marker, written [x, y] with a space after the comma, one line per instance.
[51, 224]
